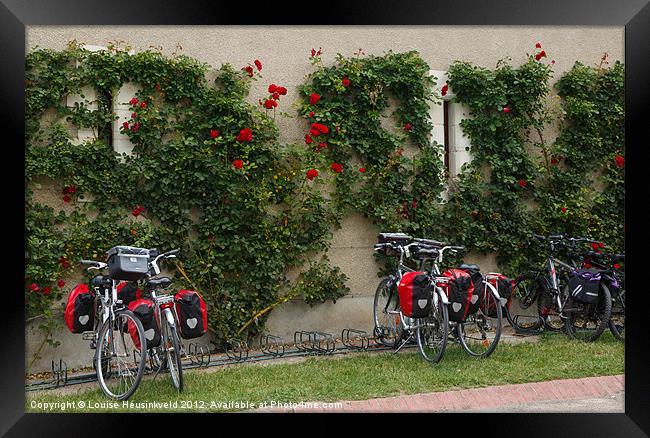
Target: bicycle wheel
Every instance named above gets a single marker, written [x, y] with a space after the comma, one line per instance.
[547, 311]
[617, 321]
[479, 334]
[173, 355]
[388, 329]
[432, 332]
[588, 322]
[527, 289]
[118, 370]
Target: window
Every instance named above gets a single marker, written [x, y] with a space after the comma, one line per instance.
[447, 131]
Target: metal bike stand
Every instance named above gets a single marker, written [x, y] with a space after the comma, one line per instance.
[272, 345]
[355, 339]
[237, 350]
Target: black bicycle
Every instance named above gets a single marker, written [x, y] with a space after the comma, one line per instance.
[557, 309]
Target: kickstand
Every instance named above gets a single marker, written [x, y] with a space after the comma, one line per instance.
[404, 342]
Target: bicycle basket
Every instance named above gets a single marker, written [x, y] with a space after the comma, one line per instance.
[127, 262]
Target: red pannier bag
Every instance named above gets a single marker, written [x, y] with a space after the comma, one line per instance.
[505, 287]
[460, 294]
[145, 312]
[80, 309]
[192, 314]
[414, 291]
[128, 291]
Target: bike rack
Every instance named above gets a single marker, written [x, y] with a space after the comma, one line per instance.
[59, 373]
[198, 354]
[355, 339]
[272, 345]
[237, 350]
[314, 342]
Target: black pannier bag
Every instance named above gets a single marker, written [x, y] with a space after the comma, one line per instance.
[477, 280]
[128, 291]
[145, 312]
[584, 285]
[192, 314]
[128, 262]
[460, 290]
[612, 283]
[80, 309]
[415, 291]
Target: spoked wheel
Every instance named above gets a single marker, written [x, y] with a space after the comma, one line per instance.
[388, 329]
[480, 333]
[432, 332]
[119, 370]
[173, 355]
[546, 309]
[527, 290]
[617, 321]
[588, 322]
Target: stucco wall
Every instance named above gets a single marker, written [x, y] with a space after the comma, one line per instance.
[284, 52]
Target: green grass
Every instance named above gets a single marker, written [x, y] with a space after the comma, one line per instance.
[363, 376]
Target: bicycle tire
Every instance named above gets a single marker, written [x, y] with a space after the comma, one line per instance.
[618, 327]
[386, 324]
[604, 315]
[535, 327]
[174, 358]
[444, 335]
[498, 324]
[103, 365]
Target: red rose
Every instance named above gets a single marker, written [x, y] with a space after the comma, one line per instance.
[313, 52]
[134, 115]
[620, 161]
[554, 160]
[522, 183]
[553, 61]
[362, 169]
[268, 104]
[125, 125]
[69, 189]
[248, 69]
[273, 88]
[214, 133]
[586, 265]
[133, 101]
[322, 145]
[314, 132]
[65, 264]
[311, 114]
[34, 287]
[311, 174]
[538, 46]
[336, 167]
[47, 290]
[275, 96]
[60, 284]
[407, 126]
[564, 209]
[601, 245]
[281, 91]
[414, 204]
[67, 199]
[135, 127]
[143, 104]
[540, 55]
[138, 210]
[314, 98]
[506, 109]
[238, 164]
[616, 266]
[345, 82]
[245, 135]
[595, 246]
[320, 128]
[444, 89]
[308, 139]
[258, 64]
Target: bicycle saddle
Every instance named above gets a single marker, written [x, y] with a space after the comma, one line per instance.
[158, 283]
[470, 267]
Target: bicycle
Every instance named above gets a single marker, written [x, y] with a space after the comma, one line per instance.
[117, 377]
[391, 325]
[479, 333]
[166, 355]
[550, 291]
[610, 265]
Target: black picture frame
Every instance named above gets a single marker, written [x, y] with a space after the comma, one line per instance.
[633, 14]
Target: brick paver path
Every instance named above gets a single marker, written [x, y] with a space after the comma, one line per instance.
[477, 398]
